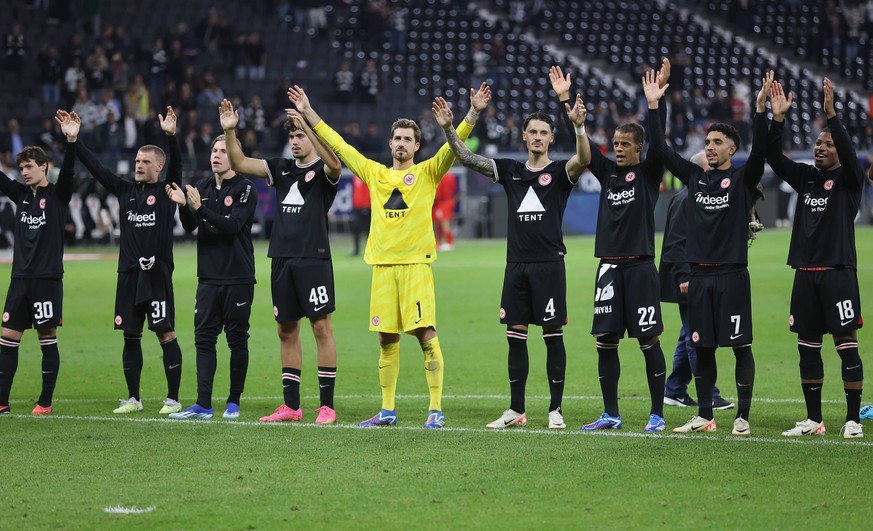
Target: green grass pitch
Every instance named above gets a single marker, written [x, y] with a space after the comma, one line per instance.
[83, 467]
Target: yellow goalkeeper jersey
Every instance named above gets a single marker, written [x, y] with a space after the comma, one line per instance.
[401, 228]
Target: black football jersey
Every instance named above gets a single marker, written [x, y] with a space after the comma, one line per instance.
[38, 251]
[536, 202]
[146, 214]
[719, 201]
[626, 213]
[225, 254]
[827, 201]
[304, 194]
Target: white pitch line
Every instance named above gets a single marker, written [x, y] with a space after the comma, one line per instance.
[118, 509]
[817, 440]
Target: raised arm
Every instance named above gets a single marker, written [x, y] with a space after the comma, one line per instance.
[298, 97]
[577, 163]
[71, 121]
[784, 168]
[443, 116]
[239, 163]
[66, 181]
[677, 165]
[753, 169]
[842, 140]
[332, 166]
[174, 165]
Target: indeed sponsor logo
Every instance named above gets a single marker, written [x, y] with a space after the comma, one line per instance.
[621, 196]
[33, 221]
[133, 217]
[711, 200]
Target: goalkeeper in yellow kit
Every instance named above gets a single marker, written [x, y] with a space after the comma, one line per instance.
[401, 246]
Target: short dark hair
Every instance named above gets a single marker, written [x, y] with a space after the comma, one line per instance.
[406, 123]
[159, 153]
[541, 116]
[635, 129]
[727, 130]
[34, 153]
[825, 130]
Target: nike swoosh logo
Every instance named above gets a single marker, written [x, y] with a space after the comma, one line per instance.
[323, 386]
[735, 336]
[285, 172]
[319, 307]
[701, 182]
[508, 422]
[742, 384]
[844, 323]
[743, 430]
[646, 328]
[660, 374]
[514, 178]
[47, 372]
[383, 182]
[814, 388]
[850, 368]
[805, 432]
[41, 321]
[548, 318]
[241, 304]
[156, 321]
[382, 366]
[171, 367]
[557, 381]
[512, 381]
[417, 321]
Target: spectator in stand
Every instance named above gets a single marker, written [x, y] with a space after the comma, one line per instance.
[256, 56]
[88, 115]
[369, 83]
[50, 140]
[256, 116]
[11, 143]
[15, 49]
[74, 77]
[186, 102]
[176, 62]
[137, 97]
[344, 84]
[208, 31]
[50, 74]
[119, 73]
[158, 67]
[97, 68]
[211, 94]
[372, 142]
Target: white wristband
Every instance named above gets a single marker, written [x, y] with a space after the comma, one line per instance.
[580, 131]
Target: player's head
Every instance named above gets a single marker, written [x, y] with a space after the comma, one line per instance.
[627, 144]
[301, 146]
[826, 157]
[405, 140]
[699, 158]
[33, 165]
[218, 155]
[721, 142]
[148, 164]
[538, 132]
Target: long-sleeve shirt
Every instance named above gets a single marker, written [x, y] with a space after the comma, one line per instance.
[827, 201]
[401, 230]
[147, 215]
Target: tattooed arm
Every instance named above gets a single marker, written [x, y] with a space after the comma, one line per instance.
[467, 158]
